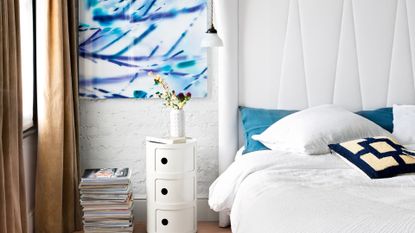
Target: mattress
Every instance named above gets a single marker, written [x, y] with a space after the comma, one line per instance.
[271, 191]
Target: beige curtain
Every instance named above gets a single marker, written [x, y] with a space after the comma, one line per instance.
[57, 199]
[12, 191]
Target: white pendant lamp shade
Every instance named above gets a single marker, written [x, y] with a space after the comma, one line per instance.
[211, 39]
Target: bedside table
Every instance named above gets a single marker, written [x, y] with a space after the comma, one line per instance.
[171, 187]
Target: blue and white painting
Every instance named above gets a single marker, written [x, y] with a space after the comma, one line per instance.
[121, 41]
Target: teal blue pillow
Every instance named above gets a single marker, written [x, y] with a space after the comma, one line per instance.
[256, 121]
[382, 117]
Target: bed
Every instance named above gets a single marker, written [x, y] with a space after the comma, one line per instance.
[296, 54]
[274, 191]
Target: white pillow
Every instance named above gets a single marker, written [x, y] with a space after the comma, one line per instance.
[404, 123]
[239, 153]
[311, 130]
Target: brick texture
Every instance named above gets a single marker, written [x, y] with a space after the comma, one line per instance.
[113, 132]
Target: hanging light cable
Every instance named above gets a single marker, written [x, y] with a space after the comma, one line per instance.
[211, 38]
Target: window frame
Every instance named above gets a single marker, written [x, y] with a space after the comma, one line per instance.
[32, 128]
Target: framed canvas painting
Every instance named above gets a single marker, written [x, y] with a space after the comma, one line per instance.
[122, 41]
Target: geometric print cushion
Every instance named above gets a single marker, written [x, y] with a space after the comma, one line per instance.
[378, 157]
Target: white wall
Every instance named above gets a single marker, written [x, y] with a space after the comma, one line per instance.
[113, 133]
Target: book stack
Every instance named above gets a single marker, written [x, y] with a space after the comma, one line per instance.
[107, 200]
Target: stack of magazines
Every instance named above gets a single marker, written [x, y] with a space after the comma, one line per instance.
[107, 201]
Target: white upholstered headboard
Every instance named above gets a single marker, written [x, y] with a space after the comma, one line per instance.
[292, 54]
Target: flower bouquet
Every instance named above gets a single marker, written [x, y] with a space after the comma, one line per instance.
[174, 101]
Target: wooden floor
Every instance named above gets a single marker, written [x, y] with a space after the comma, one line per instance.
[203, 227]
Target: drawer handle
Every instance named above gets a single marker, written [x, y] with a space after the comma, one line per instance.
[164, 222]
[164, 191]
[164, 161]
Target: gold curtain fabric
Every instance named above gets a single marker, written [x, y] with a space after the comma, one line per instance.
[12, 189]
[57, 199]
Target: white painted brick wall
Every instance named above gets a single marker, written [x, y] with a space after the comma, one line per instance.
[113, 132]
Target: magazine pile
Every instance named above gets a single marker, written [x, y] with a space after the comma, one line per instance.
[106, 200]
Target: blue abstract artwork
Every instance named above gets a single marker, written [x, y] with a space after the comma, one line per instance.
[122, 41]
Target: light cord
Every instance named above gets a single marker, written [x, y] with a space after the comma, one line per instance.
[211, 13]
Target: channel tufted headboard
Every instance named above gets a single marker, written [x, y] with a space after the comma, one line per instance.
[293, 54]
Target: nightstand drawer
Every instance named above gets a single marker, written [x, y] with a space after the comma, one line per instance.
[175, 191]
[175, 160]
[175, 220]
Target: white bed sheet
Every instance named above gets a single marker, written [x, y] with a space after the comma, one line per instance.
[271, 191]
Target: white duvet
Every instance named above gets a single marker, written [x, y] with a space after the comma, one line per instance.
[272, 192]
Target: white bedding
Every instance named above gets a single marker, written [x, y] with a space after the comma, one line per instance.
[270, 191]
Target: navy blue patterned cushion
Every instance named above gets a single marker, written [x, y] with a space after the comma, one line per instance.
[378, 157]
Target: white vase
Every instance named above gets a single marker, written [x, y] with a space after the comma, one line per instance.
[176, 123]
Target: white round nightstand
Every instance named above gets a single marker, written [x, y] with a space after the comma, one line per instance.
[171, 187]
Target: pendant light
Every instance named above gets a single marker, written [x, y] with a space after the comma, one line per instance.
[211, 38]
